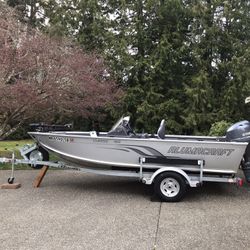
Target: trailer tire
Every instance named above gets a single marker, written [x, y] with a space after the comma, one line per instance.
[44, 156]
[170, 186]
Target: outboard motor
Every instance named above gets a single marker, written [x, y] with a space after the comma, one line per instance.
[240, 132]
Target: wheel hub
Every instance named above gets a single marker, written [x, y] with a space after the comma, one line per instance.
[170, 187]
[36, 156]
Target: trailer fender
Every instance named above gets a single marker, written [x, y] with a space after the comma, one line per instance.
[150, 180]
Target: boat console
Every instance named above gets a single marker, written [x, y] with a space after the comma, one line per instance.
[122, 128]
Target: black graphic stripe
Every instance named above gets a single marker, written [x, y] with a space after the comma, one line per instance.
[152, 150]
[120, 149]
[138, 151]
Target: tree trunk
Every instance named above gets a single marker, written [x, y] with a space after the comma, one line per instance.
[6, 130]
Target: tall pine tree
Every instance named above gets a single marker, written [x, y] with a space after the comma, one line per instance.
[182, 60]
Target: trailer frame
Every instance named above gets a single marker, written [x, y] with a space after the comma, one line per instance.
[162, 166]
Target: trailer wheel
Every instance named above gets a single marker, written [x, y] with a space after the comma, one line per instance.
[170, 186]
[39, 154]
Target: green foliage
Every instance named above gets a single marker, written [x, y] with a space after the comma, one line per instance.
[184, 61]
[219, 128]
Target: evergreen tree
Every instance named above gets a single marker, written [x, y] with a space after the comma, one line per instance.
[182, 60]
[219, 43]
[156, 63]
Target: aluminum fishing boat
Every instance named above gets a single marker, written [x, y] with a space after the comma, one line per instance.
[121, 147]
[170, 162]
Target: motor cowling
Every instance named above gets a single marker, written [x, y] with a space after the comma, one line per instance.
[239, 131]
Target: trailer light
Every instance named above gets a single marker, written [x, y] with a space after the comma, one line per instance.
[240, 182]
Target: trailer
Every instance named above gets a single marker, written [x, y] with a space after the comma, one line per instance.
[169, 179]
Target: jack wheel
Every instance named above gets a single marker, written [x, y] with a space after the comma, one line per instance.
[11, 180]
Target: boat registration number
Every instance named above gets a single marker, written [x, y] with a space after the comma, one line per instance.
[61, 139]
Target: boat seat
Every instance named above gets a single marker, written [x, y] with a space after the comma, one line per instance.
[161, 130]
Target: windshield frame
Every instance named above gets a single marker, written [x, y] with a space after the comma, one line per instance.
[120, 121]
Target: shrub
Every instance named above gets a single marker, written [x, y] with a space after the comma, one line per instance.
[219, 128]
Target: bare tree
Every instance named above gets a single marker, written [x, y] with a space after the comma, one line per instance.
[41, 77]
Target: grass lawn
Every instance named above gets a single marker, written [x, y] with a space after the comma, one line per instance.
[6, 149]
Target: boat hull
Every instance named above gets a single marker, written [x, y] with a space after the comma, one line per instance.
[102, 151]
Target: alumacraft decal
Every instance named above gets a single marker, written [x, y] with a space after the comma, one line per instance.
[199, 151]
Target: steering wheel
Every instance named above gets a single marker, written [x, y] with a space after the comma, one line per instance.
[128, 129]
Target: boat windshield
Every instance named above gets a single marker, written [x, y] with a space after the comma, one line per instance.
[120, 122]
